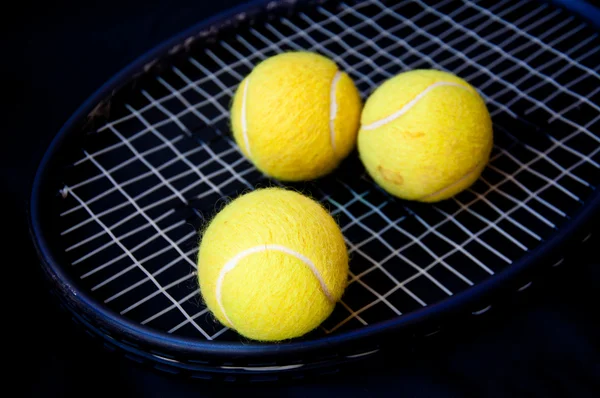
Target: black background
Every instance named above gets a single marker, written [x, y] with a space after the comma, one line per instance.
[56, 55]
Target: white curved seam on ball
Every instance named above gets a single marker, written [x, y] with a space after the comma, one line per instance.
[333, 108]
[244, 119]
[232, 263]
[410, 104]
[453, 184]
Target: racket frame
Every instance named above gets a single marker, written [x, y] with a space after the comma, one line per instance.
[141, 340]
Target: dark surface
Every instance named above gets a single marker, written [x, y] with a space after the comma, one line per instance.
[57, 55]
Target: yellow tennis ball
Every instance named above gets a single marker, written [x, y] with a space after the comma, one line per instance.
[425, 135]
[272, 264]
[296, 116]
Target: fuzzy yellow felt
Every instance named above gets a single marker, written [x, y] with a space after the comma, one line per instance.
[296, 116]
[425, 135]
[272, 264]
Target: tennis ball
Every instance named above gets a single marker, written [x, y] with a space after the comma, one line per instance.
[272, 264]
[425, 135]
[296, 116]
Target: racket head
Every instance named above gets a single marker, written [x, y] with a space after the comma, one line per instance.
[349, 344]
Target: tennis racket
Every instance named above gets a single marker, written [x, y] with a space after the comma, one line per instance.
[143, 165]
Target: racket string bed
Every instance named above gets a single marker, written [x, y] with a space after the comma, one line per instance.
[149, 178]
